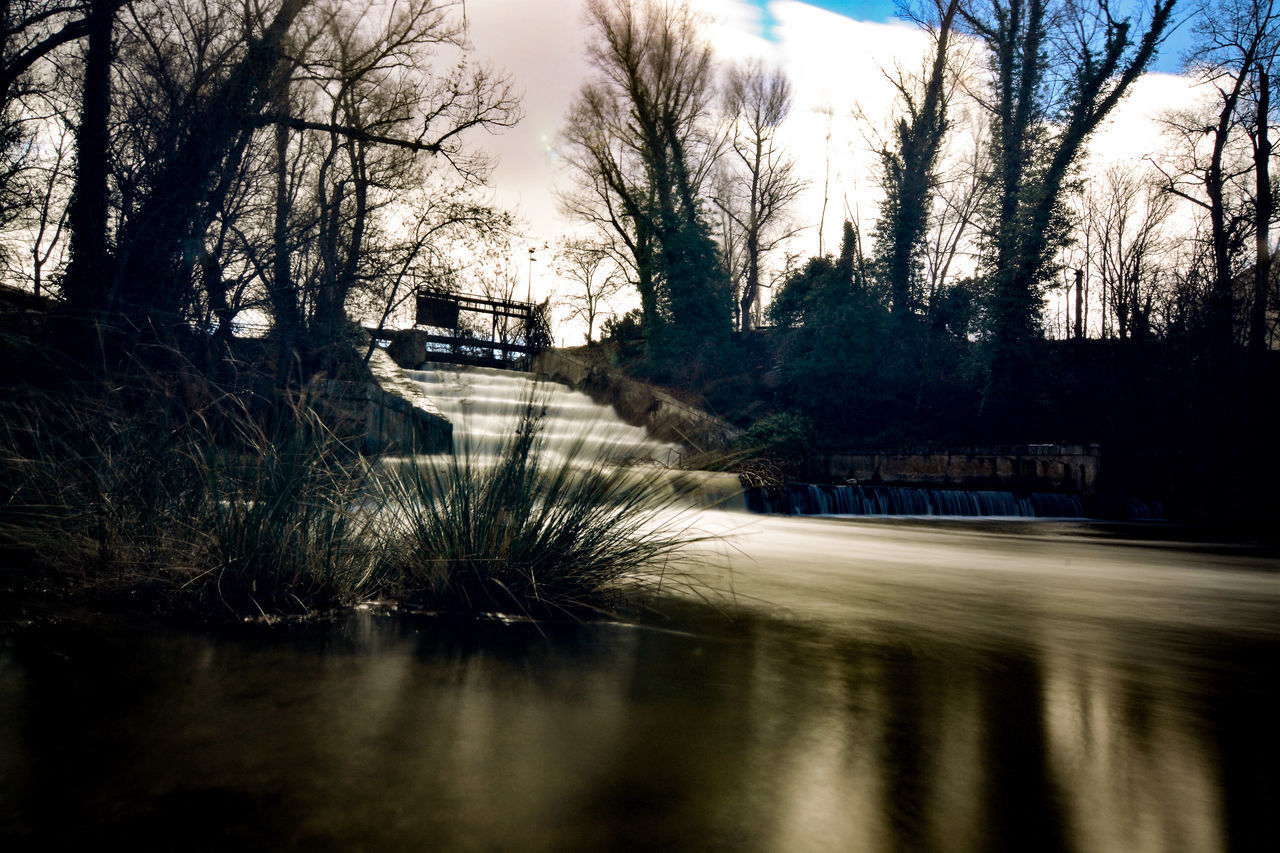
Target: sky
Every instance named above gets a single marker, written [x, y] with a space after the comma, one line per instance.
[836, 53]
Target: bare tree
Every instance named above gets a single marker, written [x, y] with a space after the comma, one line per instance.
[417, 246]
[32, 32]
[1126, 211]
[596, 276]
[963, 185]
[1258, 128]
[1236, 45]
[367, 108]
[759, 180]
[638, 143]
[50, 212]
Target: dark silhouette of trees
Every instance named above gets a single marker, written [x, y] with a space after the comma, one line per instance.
[199, 112]
[31, 30]
[1235, 48]
[233, 157]
[640, 147]
[1259, 132]
[1048, 60]
[370, 117]
[32, 34]
[1126, 213]
[833, 333]
[87, 277]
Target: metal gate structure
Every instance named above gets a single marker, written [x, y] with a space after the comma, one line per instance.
[454, 344]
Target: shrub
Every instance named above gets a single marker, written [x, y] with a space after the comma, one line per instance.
[282, 525]
[510, 534]
[783, 436]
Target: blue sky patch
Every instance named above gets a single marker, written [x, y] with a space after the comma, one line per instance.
[1168, 60]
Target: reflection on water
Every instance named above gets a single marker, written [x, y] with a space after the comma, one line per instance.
[878, 688]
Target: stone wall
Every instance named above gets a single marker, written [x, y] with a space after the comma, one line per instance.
[389, 414]
[1039, 467]
[638, 403]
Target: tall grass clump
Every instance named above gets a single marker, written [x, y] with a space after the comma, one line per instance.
[87, 489]
[221, 499]
[512, 534]
[283, 524]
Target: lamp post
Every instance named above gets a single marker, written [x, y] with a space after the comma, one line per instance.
[528, 297]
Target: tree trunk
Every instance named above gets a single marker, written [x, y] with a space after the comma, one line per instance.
[751, 290]
[284, 300]
[1265, 210]
[1079, 304]
[88, 280]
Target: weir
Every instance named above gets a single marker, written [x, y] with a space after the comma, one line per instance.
[484, 406]
[821, 499]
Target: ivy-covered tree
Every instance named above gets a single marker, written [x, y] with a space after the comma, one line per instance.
[909, 169]
[640, 146]
[1058, 69]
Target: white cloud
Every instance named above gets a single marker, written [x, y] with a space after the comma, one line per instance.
[1135, 129]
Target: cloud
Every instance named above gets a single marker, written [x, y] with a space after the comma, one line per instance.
[835, 64]
[1136, 128]
[540, 45]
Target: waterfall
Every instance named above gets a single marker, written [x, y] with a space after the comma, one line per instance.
[813, 499]
[485, 405]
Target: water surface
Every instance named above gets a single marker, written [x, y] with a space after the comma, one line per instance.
[825, 685]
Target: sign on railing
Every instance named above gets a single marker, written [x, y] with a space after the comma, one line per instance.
[440, 310]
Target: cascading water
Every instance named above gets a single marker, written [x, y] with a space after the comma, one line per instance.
[485, 405]
[816, 499]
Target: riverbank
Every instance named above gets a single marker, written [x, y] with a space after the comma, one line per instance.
[1112, 424]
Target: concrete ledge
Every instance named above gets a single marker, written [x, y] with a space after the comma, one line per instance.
[397, 417]
[1070, 468]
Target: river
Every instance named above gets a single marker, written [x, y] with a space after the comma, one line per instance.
[800, 684]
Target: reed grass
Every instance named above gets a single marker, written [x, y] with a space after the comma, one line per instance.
[281, 526]
[513, 534]
[236, 504]
[85, 488]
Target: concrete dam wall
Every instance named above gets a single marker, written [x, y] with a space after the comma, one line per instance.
[1039, 467]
